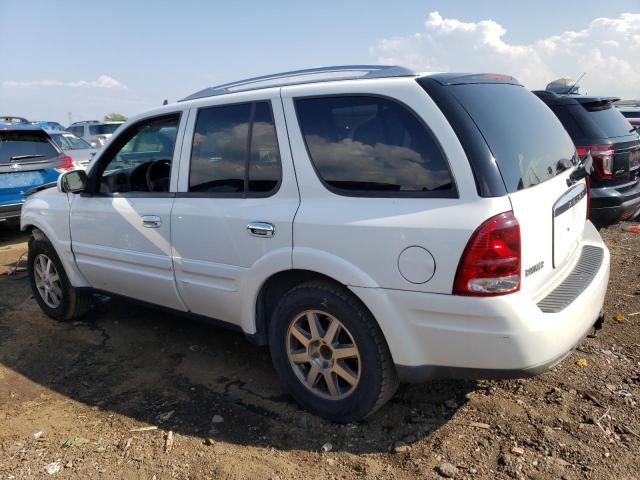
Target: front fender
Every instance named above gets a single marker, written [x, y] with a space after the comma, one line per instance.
[48, 212]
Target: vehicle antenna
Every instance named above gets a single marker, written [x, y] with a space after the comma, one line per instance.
[575, 85]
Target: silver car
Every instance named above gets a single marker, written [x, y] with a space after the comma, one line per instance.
[80, 151]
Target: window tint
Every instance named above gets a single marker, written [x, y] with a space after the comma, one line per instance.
[141, 160]
[68, 141]
[630, 113]
[264, 165]
[525, 137]
[609, 119]
[103, 129]
[77, 131]
[371, 144]
[571, 125]
[226, 140]
[24, 146]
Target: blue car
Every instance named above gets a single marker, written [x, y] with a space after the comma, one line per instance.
[28, 159]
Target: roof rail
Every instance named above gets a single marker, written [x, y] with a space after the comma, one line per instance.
[309, 75]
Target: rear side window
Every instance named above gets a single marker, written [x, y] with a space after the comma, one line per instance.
[24, 146]
[630, 114]
[235, 151]
[366, 145]
[528, 142]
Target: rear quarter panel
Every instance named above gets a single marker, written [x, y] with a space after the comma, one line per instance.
[366, 235]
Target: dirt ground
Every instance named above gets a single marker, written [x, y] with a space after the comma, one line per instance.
[73, 394]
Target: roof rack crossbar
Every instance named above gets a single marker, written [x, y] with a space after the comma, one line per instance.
[313, 74]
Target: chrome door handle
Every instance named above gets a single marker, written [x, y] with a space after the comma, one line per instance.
[261, 229]
[151, 221]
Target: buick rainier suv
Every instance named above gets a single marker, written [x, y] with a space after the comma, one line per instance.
[371, 225]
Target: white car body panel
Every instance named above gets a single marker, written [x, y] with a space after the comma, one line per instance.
[116, 252]
[215, 267]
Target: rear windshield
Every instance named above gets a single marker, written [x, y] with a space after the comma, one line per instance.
[630, 114]
[526, 139]
[608, 118]
[103, 129]
[68, 141]
[16, 147]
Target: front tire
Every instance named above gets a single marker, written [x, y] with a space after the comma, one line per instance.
[51, 288]
[329, 351]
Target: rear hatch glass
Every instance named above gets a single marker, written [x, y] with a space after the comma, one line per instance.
[527, 140]
[24, 147]
[27, 160]
[608, 118]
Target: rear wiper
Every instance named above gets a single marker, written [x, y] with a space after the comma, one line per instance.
[22, 157]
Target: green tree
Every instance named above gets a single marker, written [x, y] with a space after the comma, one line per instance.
[115, 117]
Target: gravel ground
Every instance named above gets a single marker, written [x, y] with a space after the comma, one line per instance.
[130, 392]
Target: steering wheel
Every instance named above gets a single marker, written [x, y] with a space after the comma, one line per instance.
[158, 175]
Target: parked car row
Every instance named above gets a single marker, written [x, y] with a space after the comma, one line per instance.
[369, 224]
[599, 129]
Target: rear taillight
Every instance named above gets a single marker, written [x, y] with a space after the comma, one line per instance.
[602, 158]
[490, 263]
[66, 163]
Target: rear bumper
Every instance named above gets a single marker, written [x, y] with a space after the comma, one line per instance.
[10, 211]
[609, 205]
[436, 336]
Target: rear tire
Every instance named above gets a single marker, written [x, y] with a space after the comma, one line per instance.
[343, 371]
[51, 288]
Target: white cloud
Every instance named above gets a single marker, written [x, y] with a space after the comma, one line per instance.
[103, 81]
[608, 50]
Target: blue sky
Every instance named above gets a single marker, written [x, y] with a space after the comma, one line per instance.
[166, 49]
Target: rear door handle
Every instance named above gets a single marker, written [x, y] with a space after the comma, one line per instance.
[151, 221]
[261, 229]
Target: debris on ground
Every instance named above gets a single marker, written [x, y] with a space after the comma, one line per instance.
[70, 442]
[168, 441]
[53, 467]
[447, 470]
[144, 429]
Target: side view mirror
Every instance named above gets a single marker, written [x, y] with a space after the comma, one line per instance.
[74, 181]
[583, 170]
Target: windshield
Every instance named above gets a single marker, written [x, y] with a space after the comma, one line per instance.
[528, 142]
[24, 146]
[68, 141]
[104, 128]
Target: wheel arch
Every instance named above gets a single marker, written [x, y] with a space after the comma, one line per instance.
[62, 247]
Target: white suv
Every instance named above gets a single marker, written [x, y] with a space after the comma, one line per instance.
[370, 224]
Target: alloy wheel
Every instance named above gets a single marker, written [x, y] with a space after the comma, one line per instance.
[47, 281]
[323, 354]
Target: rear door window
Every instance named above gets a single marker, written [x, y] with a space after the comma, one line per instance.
[527, 140]
[24, 146]
[366, 145]
[235, 151]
